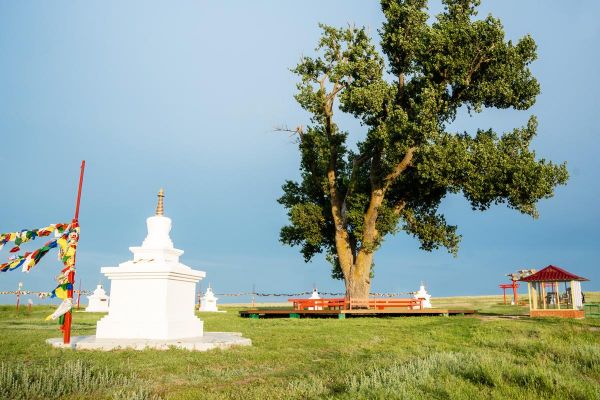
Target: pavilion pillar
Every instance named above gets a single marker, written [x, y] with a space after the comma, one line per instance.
[529, 295]
[572, 297]
[543, 284]
[556, 294]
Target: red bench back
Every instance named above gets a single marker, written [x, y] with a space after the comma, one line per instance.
[345, 304]
[381, 304]
[305, 304]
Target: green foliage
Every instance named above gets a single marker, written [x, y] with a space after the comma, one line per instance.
[307, 220]
[408, 155]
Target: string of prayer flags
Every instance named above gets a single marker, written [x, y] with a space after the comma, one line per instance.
[66, 241]
[26, 235]
[28, 260]
[43, 294]
[258, 294]
[68, 247]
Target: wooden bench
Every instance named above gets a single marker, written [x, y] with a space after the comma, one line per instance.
[345, 304]
[319, 304]
[382, 304]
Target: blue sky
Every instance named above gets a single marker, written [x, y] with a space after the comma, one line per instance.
[185, 96]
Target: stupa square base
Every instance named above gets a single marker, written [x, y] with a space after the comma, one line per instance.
[158, 329]
[209, 341]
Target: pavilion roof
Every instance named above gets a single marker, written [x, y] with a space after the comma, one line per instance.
[552, 273]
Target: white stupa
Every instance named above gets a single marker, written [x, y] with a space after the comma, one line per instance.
[422, 294]
[98, 301]
[208, 302]
[152, 300]
[153, 295]
[315, 296]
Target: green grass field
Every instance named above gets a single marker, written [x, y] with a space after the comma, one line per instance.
[487, 356]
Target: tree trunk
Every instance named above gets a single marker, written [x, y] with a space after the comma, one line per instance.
[359, 286]
[358, 278]
[358, 281]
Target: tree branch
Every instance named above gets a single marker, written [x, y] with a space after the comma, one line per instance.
[401, 85]
[337, 87]
[298, 131]
[356, 163]
[476, 65]
[398, 169]
[399, 207]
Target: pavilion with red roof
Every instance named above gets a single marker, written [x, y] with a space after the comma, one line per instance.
[555, 292]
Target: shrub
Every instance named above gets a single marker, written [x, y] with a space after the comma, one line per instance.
[53, 381]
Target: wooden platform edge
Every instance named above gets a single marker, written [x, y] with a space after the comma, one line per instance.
[291, 313]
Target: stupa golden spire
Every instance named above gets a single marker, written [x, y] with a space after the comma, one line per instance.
[160, 210]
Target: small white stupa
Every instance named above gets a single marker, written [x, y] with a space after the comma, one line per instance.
[208, 302]
[315, 296]
[98, 301]
[422, 294]
[152, 300]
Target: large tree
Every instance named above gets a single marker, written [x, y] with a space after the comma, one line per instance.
[395, 178]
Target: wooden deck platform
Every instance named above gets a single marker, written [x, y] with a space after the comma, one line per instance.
[343, 314]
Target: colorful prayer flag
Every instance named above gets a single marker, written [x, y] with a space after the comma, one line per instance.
[61, 290]
[62, 309]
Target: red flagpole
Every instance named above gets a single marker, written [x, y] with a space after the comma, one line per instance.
[71, 277]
